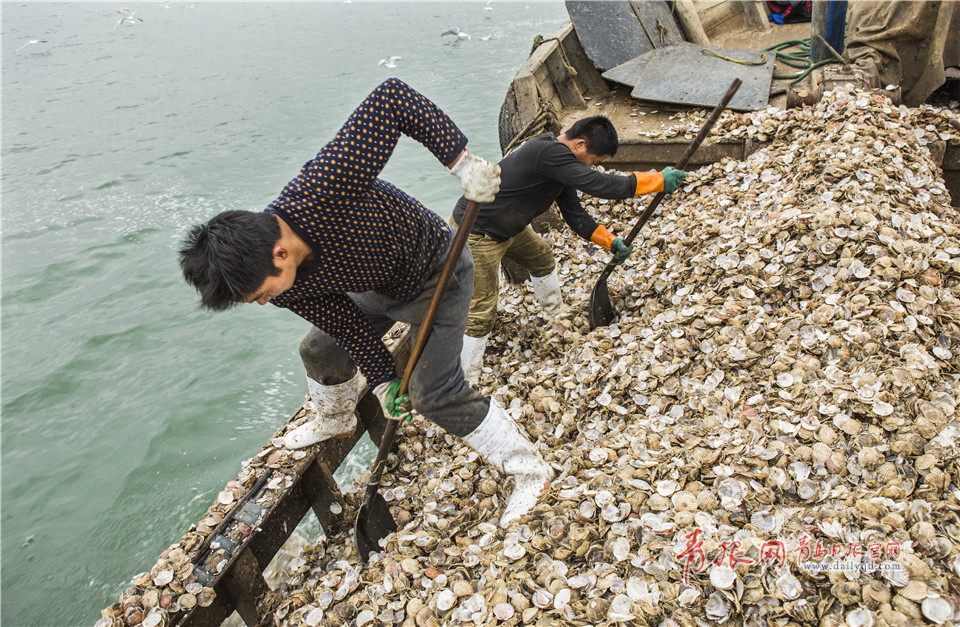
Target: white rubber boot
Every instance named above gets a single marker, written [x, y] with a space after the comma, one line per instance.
[334, 417]
[504, 446]
[547, 291]
[471, 357]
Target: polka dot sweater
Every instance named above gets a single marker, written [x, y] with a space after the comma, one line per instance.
[365, 233]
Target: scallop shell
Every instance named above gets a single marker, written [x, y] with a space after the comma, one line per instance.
[503, 611]
[914, 590]
[445, 600]
[859, 618]
[937, 610]
[722, 577]
[163, 577]
[542, 599]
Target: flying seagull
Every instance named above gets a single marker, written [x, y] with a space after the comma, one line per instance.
[32, 41]
[456, 32]
[392, 63]
[129, 17]
[488, 7]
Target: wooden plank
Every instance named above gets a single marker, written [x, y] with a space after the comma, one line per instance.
[548, 93]
[557, 68]
[705, 5]
[277, 528]
[320, 489]
[587, 76]
[756, 14]
[951, 159]
[538, 55]
[541, 74]
[528, 97]
[713, 15]
[658, 154]
[690, 22]
[562, 76]
[243, 585]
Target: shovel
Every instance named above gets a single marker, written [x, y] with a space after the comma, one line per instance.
[374, 521]
[601, 310]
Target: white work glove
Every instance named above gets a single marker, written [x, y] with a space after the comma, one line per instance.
[480, 179]
[394, 407]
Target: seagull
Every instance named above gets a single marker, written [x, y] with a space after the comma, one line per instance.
[488, 7]
[459, 34]
[392, 63]
[486, 37]
[128, 18]
[32, 41]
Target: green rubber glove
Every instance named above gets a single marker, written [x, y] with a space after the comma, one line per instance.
[394, 406]
[621, 252]
[672, 179]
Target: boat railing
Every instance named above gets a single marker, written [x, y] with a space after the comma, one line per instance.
[279, 491]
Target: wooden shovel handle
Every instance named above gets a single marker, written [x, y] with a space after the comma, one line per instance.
[449, 266]
[456, 248]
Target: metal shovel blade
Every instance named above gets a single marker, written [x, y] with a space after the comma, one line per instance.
[374, 522]
[601, 309]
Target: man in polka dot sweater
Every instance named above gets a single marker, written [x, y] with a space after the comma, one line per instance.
[353, 254]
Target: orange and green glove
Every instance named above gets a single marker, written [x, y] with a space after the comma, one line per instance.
[621, 251]
[667, 181]
[672, 179]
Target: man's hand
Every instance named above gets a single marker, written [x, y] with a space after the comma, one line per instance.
[480, 179]
[394, 407]
[672, 179]
[621, 251]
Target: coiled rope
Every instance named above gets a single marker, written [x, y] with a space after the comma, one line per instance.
[799, 60]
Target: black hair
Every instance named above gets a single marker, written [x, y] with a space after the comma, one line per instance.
[598, 132]
[228, 258]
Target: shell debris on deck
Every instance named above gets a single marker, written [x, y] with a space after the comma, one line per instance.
[784, 369]
[766, 434]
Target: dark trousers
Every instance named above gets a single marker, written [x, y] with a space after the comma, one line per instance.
[438, 390]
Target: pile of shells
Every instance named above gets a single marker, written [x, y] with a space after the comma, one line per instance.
[154, 598]
[927, 123]
[173, 587]
[766, 434]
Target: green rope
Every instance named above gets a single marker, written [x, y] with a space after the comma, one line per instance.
[799, 60]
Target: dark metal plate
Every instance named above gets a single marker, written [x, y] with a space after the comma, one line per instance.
[628, 73]
[613, 32]
[692, 75]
